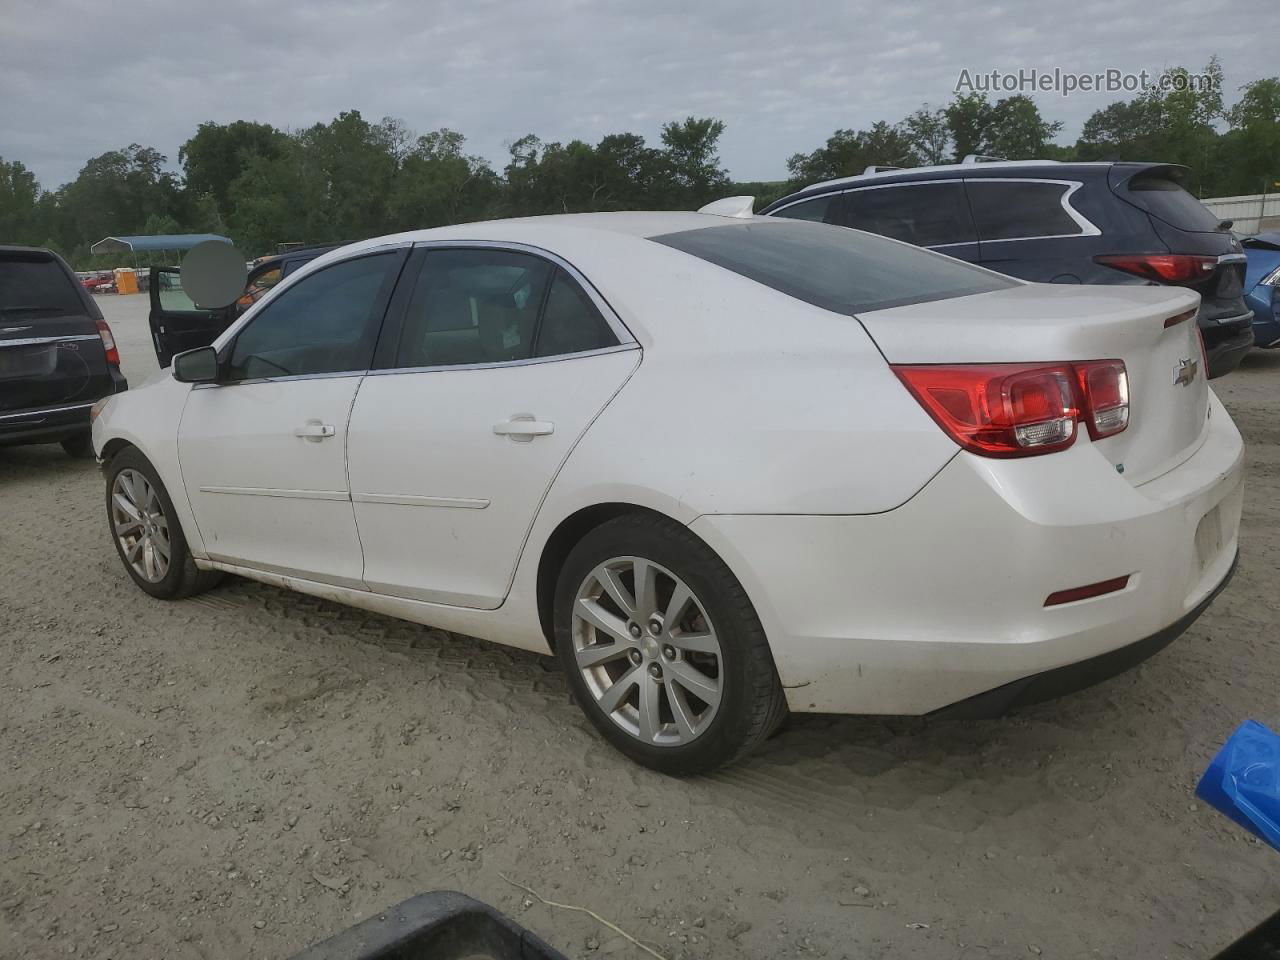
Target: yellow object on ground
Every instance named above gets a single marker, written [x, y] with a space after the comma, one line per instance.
[126, 281]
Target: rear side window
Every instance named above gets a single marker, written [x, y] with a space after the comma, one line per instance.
[34, 285]
[818, 209]
[570, 321]
[473, 306]
[926, 214]
[1020, 209]
[1165, 198]
[833, 268]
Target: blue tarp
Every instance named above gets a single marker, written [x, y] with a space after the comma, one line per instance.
[1243, 781]
[170, 241]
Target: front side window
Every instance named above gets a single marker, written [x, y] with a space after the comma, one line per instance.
[1021, 209]
[325, 323]
[818, 209]
[926, 214]
[837, 269]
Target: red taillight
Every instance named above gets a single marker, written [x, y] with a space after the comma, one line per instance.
[1021, 409]
[108, 344]
[999, 410]
[1162, 267]
[1104, 390]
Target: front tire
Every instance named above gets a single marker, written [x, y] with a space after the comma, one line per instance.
[662, 648]
[146, 531]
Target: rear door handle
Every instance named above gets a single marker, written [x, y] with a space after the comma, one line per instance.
[314, 430]
[523, 428]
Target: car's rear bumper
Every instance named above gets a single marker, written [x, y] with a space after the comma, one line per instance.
[943, 599]
[1073, 677]
[49, 424]
[1225, 345]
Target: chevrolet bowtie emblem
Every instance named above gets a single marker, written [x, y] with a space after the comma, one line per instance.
[1186, 371]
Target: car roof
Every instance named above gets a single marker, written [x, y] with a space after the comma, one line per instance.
[23, 248]
[1001, 169]
[570, 230]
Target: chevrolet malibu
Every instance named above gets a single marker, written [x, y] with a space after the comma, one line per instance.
[722, 467]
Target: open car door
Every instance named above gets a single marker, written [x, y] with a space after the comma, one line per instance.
[178, 324]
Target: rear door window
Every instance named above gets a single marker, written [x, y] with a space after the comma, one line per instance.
[34, 285]
[840, 270]
[1021, 209]
[926, 214]
[473, 306]
[1165, 198]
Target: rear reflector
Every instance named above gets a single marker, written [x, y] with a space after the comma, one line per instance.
[1085, 592]
[1175, 268]
[1020, 409]
[108, 343]
[1179, 318]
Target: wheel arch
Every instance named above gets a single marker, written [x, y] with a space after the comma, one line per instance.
[568, 534]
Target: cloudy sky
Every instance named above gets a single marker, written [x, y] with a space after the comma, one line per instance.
[80, 77]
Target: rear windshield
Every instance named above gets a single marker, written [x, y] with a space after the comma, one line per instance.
[1166, 199]
[32, 285]
[835, 268]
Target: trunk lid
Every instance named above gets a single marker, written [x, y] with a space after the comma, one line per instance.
[1049, 323]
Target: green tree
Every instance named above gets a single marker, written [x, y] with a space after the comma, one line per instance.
[692, 161]
[968, 118]
[216, 155]
[438, 183]
[1016, 131]
[20, 210]
[929, 134]
[848, 152]
[1251, 149]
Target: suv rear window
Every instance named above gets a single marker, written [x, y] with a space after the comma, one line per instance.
[837, 269]
[1165, 198]
[1020, 209]
[33, 284]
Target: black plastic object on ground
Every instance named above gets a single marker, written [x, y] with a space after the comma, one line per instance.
[435, 926]
[1260, 943]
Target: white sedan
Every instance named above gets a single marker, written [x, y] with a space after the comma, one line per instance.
[722, 467]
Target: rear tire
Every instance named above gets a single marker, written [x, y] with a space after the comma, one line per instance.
[679, 685]
[79, 447]
[144, 525]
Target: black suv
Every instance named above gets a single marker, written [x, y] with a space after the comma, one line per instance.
[1055, 223]
[57, 354]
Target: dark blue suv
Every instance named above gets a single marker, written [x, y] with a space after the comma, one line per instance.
[1055, 223]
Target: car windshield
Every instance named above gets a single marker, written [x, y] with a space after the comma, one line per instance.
[32, 284]
[845, 271]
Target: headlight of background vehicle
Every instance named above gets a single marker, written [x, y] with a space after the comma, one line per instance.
[1272, 279]
[98, 407]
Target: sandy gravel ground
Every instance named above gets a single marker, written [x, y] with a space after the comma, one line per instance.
[241, 774]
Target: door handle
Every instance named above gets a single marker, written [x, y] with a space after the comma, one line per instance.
[522, 428]
[314, 431]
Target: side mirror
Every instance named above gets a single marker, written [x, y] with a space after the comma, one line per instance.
[196, 366]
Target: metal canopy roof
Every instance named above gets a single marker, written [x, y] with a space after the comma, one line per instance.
[169, 241]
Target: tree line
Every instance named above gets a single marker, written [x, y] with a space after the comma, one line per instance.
[352, 178]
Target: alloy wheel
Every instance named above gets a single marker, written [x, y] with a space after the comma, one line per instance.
[140, 525]
[647, 650]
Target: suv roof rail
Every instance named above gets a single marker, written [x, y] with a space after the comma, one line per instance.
[982, 158]
[880, 168]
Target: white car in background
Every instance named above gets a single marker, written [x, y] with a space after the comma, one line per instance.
[723, 467]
